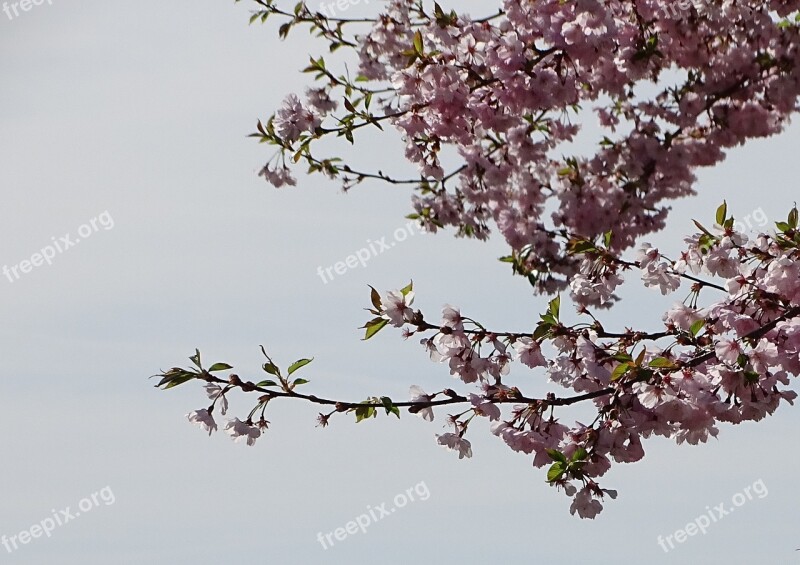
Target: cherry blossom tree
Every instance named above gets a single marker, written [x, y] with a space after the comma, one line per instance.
[487, 107]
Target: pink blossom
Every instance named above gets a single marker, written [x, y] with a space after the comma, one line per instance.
[214, 392]
[485, 407]
[203, 419]
[728, 351]
[277, 177]
[239, 430]
[293, 119]
[529, 352]
[455, 442]
[647, 255]
[419, 395]
[397, 307]
[585, 504]
[662, 276]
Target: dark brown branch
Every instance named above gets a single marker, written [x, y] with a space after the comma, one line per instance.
[513, 398]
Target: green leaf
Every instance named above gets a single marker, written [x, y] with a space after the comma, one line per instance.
[751, 377]
[408, 288]
[174, 377]
[267, 383]
[299, 382]
[375, 298]
[607, 238]
[620, 371]
[542, 330]
[793, 218]
[549, 319]
[556, 455]
[697, 326]
[722, 213]
[418, 45]
[299, 364]
[389, 406]
[364, 412]
[374, 326]
[178, 381]
[555, 307]
[662, 363]
[272, 369]
[220, 367]
[579, 247]
[196, 358]
[702, 229]
[580, 455]
[555, 472]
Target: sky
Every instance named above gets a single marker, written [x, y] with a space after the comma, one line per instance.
[125, 126]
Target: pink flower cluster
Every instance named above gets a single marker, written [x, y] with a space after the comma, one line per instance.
[505, 93]
[237, 429]
[729, 361]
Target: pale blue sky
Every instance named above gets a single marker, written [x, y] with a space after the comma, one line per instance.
[142, 110]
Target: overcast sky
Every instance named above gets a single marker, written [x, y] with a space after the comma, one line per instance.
[135, 115]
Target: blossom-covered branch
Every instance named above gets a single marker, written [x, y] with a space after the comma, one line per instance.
[506, 93]
[726, 361]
